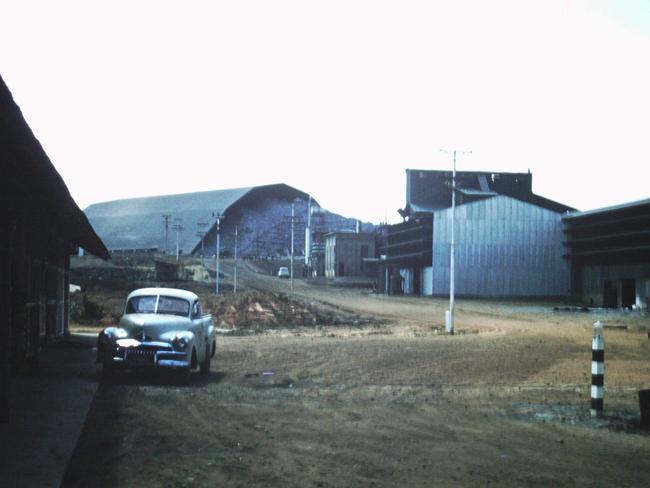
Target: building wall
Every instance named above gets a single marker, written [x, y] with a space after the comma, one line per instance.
[263, 229]
[427, 281]
[609, 252]
[504, 247]
[593, 278]
[344, 253]
[330, 256]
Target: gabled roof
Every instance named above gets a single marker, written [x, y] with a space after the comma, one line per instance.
[30, 181]
[137, 223]
[503, 203]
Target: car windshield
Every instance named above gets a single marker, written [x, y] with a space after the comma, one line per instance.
[158, 304]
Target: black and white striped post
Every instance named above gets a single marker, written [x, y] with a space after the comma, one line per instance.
[597, 370]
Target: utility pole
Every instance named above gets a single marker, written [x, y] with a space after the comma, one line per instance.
[217, 257]
[234, 288]
[201, 233]
[293, 213]
[308, 236]
[178, 227]
[449, 320]
[166, 219]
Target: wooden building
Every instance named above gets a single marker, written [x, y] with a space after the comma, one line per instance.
[40, 226]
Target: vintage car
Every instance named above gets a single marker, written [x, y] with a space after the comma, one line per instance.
[161, 328]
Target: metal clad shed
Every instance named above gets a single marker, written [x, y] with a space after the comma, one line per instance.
[505, 247]
[609, 252]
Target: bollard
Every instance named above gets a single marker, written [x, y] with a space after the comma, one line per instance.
[644, 406]
[597, 370]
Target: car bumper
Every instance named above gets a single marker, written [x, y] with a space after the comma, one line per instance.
[148, 355]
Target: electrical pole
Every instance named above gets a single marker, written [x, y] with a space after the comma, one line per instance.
[217, 257]
[201, 233]
[452, 261]
[166, 219]
[178, 227]
[308, 236]
[449, 321]
[234, 288]
[292, 219]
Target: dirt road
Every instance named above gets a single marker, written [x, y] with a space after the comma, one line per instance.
[504, 403]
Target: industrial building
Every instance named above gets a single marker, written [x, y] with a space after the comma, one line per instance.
[609, 252]
[187, 223]
[40, 225]
[350, 254]
[508, 239]
[504, 248]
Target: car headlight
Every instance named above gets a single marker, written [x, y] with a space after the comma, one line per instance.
[120, 333]
[112, 333]
[180, 342]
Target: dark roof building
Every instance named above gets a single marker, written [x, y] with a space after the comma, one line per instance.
[40, 225]
[609, 251]
[429, 190]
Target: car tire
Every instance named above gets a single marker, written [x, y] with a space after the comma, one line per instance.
[204, 367]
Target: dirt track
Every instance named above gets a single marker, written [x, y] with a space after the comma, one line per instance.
[504, 403]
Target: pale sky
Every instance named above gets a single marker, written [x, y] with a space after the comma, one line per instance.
[337, 98]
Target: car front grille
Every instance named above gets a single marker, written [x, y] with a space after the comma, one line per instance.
[136, 355]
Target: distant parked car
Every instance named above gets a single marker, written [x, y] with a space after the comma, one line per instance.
[161, 328]
[283, 272]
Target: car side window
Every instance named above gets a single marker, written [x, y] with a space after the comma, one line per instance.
[196, 310]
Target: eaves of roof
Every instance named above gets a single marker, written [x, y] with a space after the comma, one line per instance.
[36, 181]
[605, 210]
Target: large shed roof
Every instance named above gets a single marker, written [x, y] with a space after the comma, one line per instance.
[137, 223]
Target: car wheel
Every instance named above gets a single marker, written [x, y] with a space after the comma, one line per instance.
[205, 365]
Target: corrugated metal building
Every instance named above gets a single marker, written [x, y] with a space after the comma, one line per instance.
[39, 226]
[504, 248]
[609, 251]
[509, 240]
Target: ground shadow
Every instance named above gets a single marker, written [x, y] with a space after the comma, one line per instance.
[162, 378]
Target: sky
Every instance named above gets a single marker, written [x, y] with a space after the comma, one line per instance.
[337, 98]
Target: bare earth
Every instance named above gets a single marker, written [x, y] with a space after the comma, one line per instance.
[505, 402]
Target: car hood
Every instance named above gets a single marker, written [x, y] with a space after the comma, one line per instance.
[153, 325]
